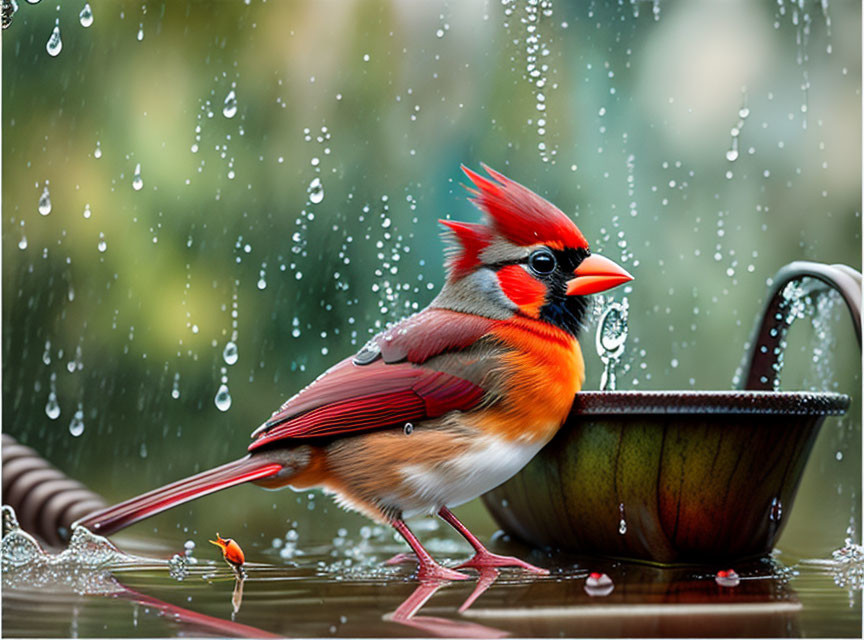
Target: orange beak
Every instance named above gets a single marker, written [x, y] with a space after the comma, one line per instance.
[596, 274]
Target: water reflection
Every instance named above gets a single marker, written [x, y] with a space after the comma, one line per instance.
[313, 599]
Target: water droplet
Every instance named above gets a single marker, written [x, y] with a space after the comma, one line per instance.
[140, 35]
[86, 15]
[230, 354]
[408, 429]
[55, 43]
[223, 398]
[102, 245]
[315, 191]
[76, 427]
[262, 283]
[137, 181]
[610, 341]
[22, 243]
[45, 202]
[439, 33]
[97, 153]
[87, 211]
[598, 584]
[52, 408]
[229, 109]
[743, 112]
[622, 526]
[732, 155]
[727, 578]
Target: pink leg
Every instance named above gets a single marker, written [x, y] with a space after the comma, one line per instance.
[483, 557]
[429, 569]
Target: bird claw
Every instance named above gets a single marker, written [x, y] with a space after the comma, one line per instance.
[434, 571]
[401, 558]
[486, 559]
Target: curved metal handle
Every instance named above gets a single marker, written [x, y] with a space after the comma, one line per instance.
[764, 351]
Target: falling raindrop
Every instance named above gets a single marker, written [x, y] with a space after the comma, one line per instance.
[439, 33]
[229, 354]
[52, 408]
[22, 243]
[315, 191]
[76, 427]
[87, 211]
[97, 153]
[223, 398]
[137, 181]
[86, 15]
[102, 245]
[55, 43]
[45, 201]
[175, 390]
[140, 31]
[622, 524]
[229, 109]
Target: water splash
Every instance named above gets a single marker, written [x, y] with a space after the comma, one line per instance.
[45, 201]
[610, 340]
[55, 42]
[86, 15]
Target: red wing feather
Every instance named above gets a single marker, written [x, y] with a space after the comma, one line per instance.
[389, 391]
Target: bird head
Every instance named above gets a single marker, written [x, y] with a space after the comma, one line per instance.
[526, 258]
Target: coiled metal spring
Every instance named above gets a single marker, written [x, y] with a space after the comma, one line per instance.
[46, 501]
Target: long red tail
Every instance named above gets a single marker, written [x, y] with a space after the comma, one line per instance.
[247, 469]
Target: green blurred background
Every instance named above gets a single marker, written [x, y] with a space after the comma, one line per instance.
[703, 144]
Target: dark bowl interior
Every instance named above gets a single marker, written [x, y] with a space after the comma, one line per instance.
[667, 476]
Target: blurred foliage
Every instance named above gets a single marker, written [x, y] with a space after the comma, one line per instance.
[381, 102]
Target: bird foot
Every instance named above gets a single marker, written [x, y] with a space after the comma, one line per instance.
[486, 559]
[429, 571]
[434, 571]
[401, 558]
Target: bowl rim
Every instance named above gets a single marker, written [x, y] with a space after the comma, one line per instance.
[691, 402]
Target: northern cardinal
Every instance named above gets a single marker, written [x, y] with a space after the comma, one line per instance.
[448, 403]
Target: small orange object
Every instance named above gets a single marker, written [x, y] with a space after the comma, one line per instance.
[231, 551]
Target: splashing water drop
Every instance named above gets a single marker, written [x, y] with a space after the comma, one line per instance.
[229, 109]
[137, 181]
[45, 202]
[76, 427]
[610, 340]
[86, 15]
[223, 398]
[55, 43]
[315, 191]
[230, 354]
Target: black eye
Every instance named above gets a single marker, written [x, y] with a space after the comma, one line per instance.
[542, 262]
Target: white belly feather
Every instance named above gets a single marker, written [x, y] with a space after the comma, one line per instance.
[490, 461]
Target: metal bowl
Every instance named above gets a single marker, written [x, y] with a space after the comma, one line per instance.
[667, 476]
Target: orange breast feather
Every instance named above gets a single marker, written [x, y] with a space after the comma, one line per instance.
[545, 370]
